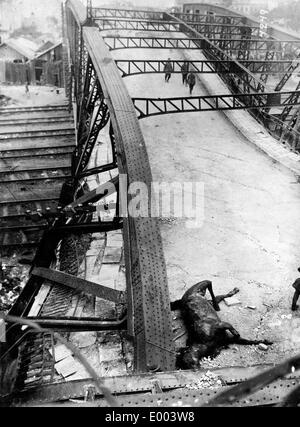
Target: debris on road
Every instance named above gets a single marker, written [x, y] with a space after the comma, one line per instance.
[263, 347]
[233, 301]
[208, 380]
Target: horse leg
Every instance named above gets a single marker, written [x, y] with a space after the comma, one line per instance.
[220, 298]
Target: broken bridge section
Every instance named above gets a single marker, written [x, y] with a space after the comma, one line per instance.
[36, 145]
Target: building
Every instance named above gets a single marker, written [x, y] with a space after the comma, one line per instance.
[18, 50]
[244, 7]
[22, 60]
[248, 7]
[48, 65]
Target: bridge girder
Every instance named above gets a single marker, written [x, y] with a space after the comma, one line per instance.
[130, 67]
[157, 106]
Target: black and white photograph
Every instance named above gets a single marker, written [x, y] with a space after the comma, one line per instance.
[149, 206]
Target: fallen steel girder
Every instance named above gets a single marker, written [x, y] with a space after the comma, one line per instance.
[100, 291]
[156, 106]
[65, 324]
[119, 42]
[149, 315]
[129, 67]
[260, 381]
[134, 384]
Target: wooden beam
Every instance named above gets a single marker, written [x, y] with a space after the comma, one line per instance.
[100, 291]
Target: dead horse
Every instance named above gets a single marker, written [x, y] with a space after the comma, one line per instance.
[207, 333]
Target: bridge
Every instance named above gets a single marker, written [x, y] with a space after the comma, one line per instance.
[242, 142]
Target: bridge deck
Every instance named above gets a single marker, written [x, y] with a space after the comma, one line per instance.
[249, 235]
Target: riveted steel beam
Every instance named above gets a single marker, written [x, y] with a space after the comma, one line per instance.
[129, 67]
[99, 13]
[95, 289]
[119, 42]
[156, 106]
[138, 25]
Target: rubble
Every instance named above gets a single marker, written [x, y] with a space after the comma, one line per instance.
[208, 380]
[263, 347]
[209, 362]
[12, 281]
[233, 301]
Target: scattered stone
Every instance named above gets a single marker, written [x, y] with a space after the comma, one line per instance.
[287, 316]
[251, 307]
[208, 380]
[267, 305]
[233, 301]
[263, 347]
[61, 352]
[112, 255]
[83, 339]
[66, 367]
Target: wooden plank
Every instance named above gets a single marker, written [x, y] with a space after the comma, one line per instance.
[39, 300]
[35, 175]
[11, 165]
[40, 143]
[73, 282]
[41, 127]
[37, 153]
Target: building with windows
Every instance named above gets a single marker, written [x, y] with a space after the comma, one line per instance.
[244, 7]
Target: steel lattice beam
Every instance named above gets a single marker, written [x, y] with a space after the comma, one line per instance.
[131, 66]
[259, 44]
[219, 29]
[266, 70]
[94, 116]
[217, 19]
[290, 103]
[138, 25]
[156, 106]
[99, 13]
[294, 65]
[241, 81]
[119, 42]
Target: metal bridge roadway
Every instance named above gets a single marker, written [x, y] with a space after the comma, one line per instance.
[234, 246]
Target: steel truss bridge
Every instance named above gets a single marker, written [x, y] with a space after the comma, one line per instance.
[235, 51]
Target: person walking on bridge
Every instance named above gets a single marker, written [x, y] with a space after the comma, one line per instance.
[296, 286]
[191, 80]
[168, 70]
[185, 71]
